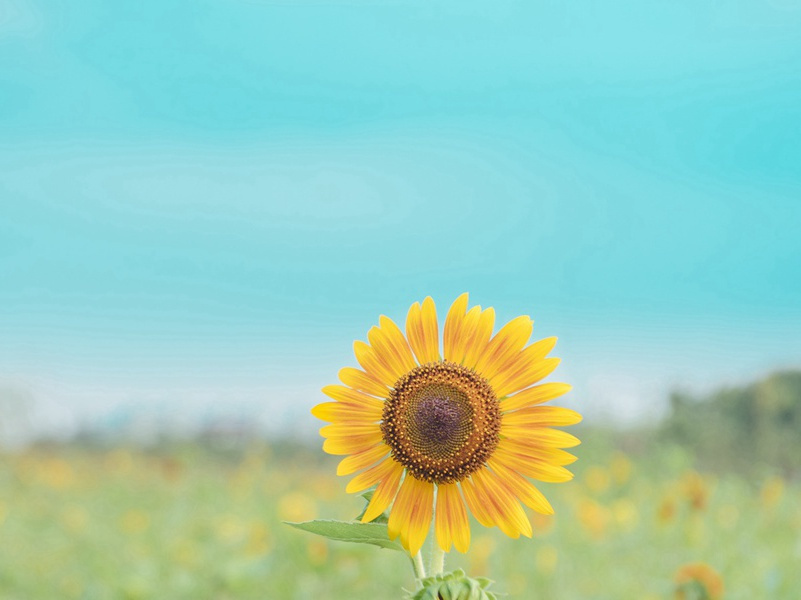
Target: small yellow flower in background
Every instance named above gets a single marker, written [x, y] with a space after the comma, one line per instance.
[594, 517]
[597, 480]
[231, 529]
[56, 473]
[771, 493]
[258, 542]
[620, 468]
[134, 521]
[698, 581]
[667, 509]
[317, 552]
[468, 423]
[297, 506]
[119, 461]
[696, 490]
[546, 559]
[185, 553]
[626, 514]
[542, 524]
[482, 549]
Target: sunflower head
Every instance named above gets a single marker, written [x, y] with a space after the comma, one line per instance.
[453, 426]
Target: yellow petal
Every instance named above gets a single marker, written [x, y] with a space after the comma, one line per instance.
[373, 364]
[466, 333]
[431, 330]
[351, 396]
[397, 342]
[384, 493]
[535, 469]
[402, 509]
[504, 346]
[542, 416]
[341, 411]
[523, 360]
[521, 487]
[451, 525]
[420, 522]
[422, 331]
[531, 450]
[362, 460]
[453, 326]
[359, 380]
[505, 510]
[353, 444]
[543, 436]
[535, 395]
[371, 476]
[411, 514]
[530, 375]
[476, 504]
[482, 333]
[349, 429]
[382, 347]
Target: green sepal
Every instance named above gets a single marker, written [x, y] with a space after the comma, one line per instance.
[454, 586]
[350, 531]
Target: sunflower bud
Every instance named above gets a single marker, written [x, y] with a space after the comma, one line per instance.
[454, 586]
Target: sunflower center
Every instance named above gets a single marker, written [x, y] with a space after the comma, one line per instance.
[441, 421]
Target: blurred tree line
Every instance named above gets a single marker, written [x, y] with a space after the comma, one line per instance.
[757, 426]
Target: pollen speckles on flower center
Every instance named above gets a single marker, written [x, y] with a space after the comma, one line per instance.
[441, 421]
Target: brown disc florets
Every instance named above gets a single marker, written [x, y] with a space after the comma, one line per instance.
[441, 421]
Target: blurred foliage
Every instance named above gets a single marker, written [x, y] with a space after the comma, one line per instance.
[204, 521]
[755, 427]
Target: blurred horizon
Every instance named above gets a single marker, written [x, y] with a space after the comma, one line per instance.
[196, 221]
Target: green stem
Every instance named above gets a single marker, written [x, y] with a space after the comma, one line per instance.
[419, 568]
[437, 560]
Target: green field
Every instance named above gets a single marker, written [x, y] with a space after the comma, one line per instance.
[189, 522]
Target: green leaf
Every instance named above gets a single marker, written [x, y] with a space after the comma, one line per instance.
[350, 531]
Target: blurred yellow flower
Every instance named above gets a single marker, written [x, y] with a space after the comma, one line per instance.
[481, 550]
[230, 529]
[119, 461]
[185, 553]
[134, 521]
[695, 489]
[57, 473]
[317, 551]
[542, 524]
[626, 514]
[594, 517]
[258, 542]
[698, 581]
[667, 509]
[546, 559]
[771, 493]
[297, 506]
[597, 479]
[620, 468]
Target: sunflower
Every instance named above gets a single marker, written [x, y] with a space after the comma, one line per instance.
[437, 433]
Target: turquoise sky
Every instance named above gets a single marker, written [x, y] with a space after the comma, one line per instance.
[203, 203]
